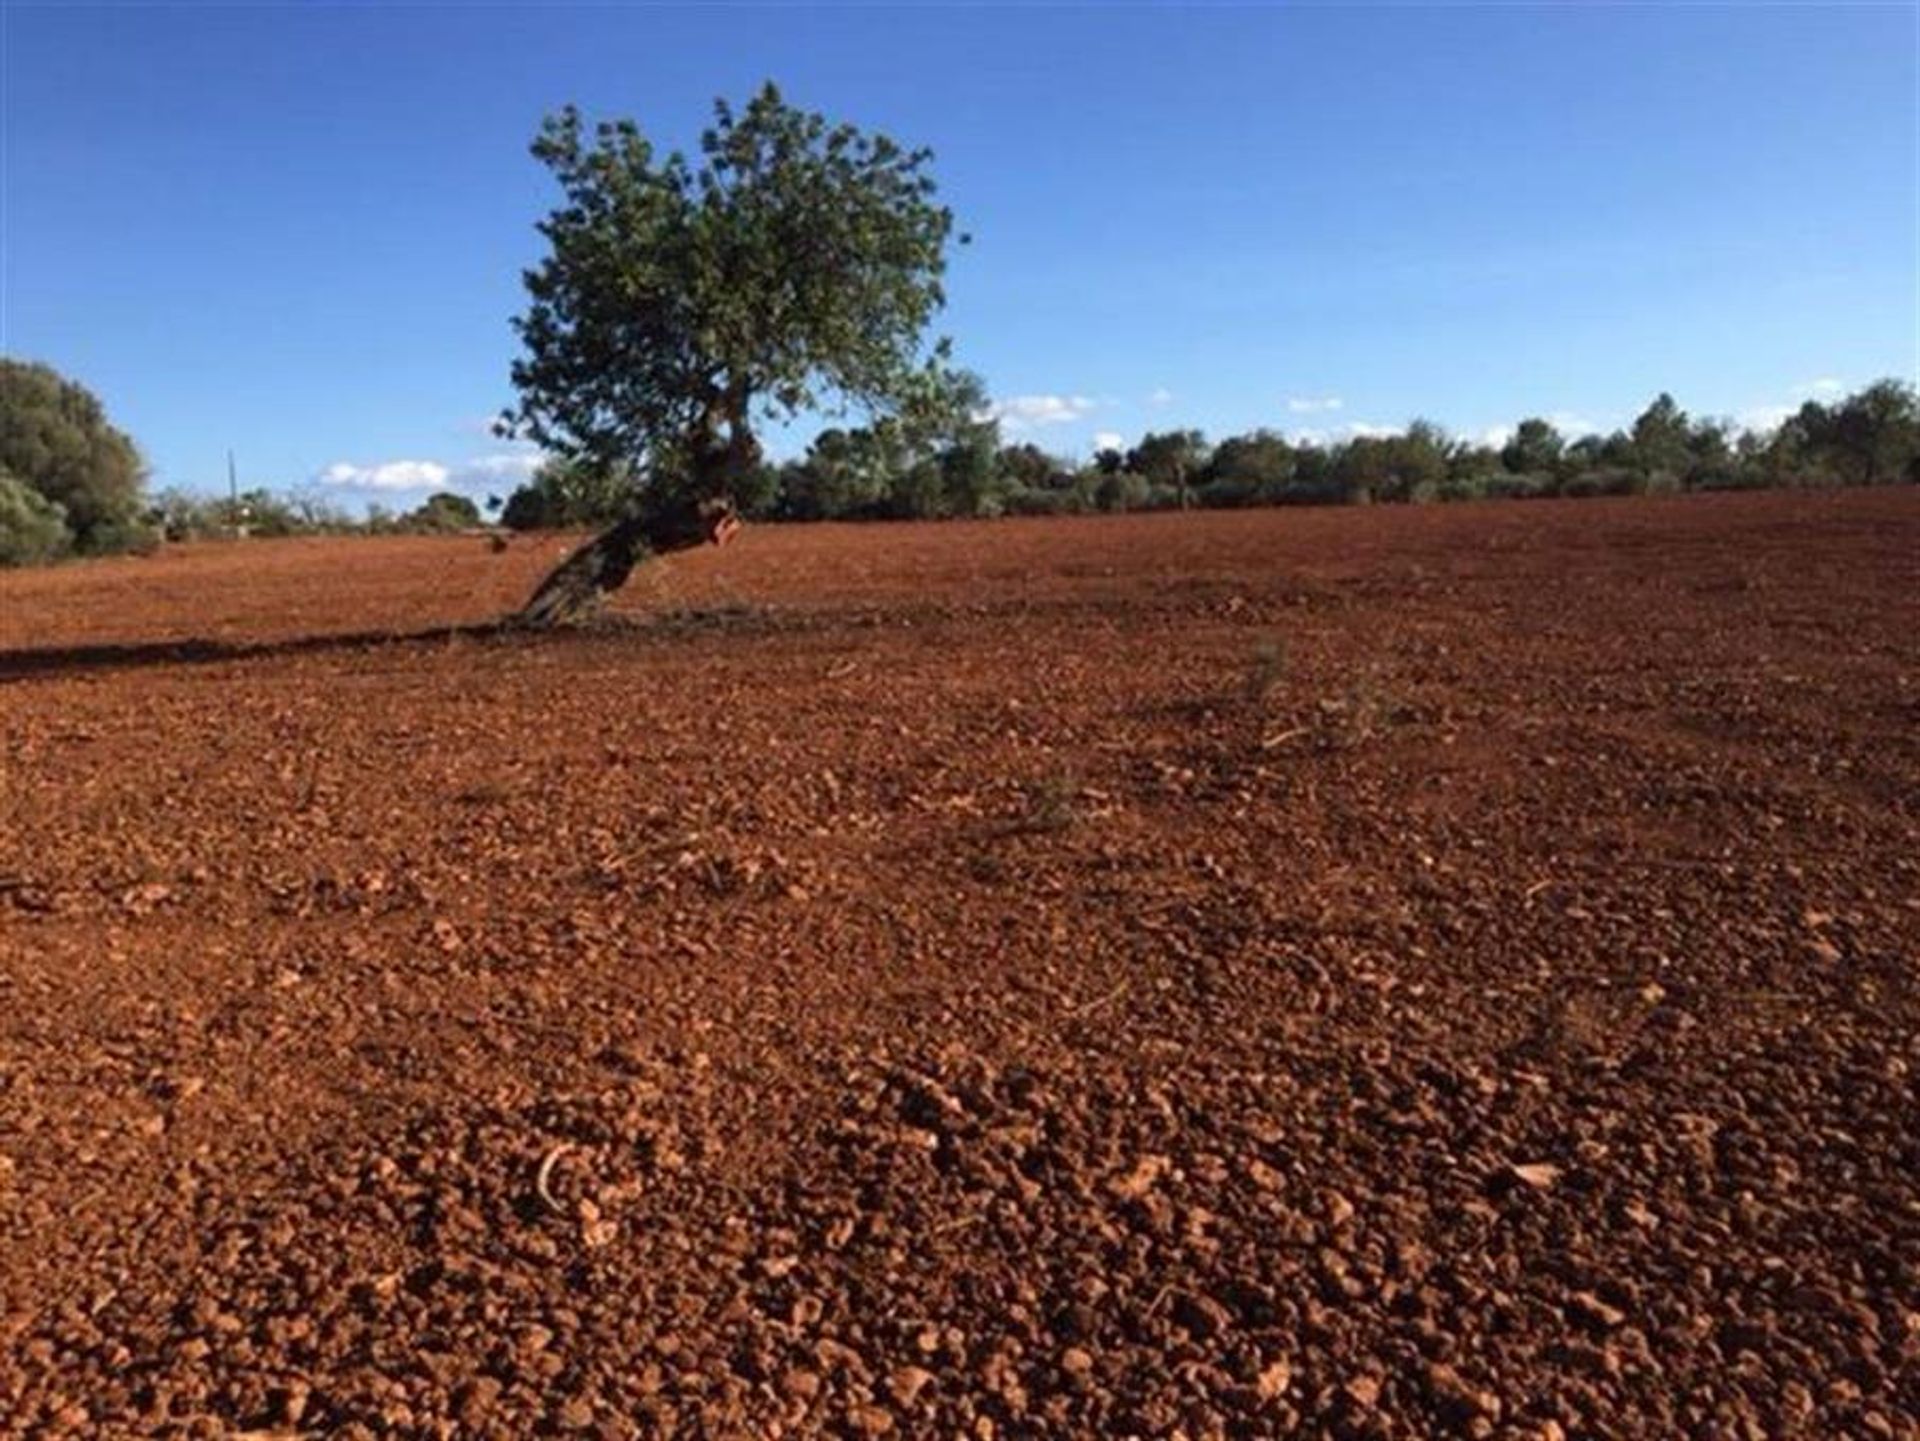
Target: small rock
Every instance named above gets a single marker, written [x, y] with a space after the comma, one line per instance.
[1458, 1401]
[1077, 1362]
[475, 1399]
[801, 1384]
[1537, 1174]
[1201, 1316]
[1362, 1392]
[869, 1420]
[142, 899]
[289, 1402]
[906, 1383]
[1595, 1312]
[1145, 1174]
[1274, 1379]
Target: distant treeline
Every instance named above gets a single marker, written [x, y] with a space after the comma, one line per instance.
[878, 473]
[72, 484]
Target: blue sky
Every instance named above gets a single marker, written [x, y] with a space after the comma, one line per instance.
[297, 230]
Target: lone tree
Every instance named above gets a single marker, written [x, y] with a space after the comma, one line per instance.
[795, 266]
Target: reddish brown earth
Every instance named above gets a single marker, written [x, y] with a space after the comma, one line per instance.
[1387, 973]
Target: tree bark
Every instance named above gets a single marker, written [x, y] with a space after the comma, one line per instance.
[721, 449]
[578, 586]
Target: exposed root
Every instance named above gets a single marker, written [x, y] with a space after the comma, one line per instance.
[542, 1182]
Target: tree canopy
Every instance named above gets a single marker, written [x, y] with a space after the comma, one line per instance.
[56, 441]
[795, 265]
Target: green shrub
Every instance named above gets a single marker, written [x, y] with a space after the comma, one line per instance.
[32, 528]
[1319, 490]
[129, 536]
[1122, 490]
[443, 511]
[1519, 487]
[1232, 492]
[1470, 487]
[181, 516]
[1025, 501]
[55, 439]
[571, 495]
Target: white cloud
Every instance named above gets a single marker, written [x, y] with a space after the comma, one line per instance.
[389, 475]
[1109, 440]
[1770, 416]
[1159, 395]
[1764, 417]
[1313, 405]
[1354, 430]
[1496, 436]
[1017, 412]
[502, 468]
[1571, 425]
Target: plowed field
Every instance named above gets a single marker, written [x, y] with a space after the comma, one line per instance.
[1366, 973]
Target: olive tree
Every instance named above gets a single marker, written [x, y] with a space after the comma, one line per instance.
[793, 266]
[56, 440]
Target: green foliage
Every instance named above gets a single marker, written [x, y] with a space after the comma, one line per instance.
[1535, 449]
[1028, 466]
[570, 495]
[1044, 502]
[56, 440]
[1871, 438]
[1394, 467]
[1661, 438]
[1250, 469]
[681, 303]
[936, 456]
[444, 511]
[972, 483]
[33, 529]
[1123, 490]
[1174, 458]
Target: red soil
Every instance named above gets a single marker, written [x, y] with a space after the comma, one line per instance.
[1373, 973]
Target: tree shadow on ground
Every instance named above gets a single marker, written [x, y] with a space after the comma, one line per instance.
[52, 662]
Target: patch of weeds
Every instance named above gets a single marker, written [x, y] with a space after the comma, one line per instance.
[987, 870]
[1364, 709]
[1050, 805]
[1264, 670]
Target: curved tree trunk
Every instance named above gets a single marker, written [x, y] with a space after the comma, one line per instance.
[578, 586]
[701, 512]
